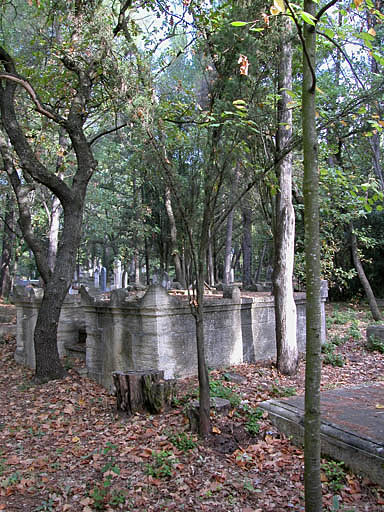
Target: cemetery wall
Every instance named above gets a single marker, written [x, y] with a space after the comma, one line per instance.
[156, 330]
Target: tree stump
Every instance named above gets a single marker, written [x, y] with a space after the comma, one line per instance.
[143, 390]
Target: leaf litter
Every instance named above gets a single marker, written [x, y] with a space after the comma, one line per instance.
[64, 448]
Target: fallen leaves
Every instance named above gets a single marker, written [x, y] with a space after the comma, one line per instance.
[62, 440]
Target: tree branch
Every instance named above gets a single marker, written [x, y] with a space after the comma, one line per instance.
[106, 132]
[301, 37]
[32, 93]
[344, 55]
[325, 9]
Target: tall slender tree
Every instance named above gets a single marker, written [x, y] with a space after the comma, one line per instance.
[284, 236]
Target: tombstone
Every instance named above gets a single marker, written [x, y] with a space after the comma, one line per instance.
[103, 279]
[125, 279]
[155, 277]
[165, 281]
[117, 275]
[96, 278]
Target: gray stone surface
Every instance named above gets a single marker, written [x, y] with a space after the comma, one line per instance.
[375, 332]
[157, 330]
[352, 426]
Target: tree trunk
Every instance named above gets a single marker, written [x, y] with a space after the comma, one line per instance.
[204, 391]
[173, 232]
[53, 235]
[143, 390]
[56, 210]
[7, 249]
[363, 278]
[211, 270]
[247, 245]
[228, 249]
[285, 307]
[48, 364]
[147, 276]
[260, 263]
[312, 418]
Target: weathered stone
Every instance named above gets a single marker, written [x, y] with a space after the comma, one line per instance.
[232, 292]
[119, 296]
[251, 288]
[156, 330]
[175, 285]
[375, 332]
[234, 377]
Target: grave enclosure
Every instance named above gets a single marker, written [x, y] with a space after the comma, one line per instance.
[156, 330]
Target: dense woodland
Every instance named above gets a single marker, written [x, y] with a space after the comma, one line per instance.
[211, 140]
[168, 108]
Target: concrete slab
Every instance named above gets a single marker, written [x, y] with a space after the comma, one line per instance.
[352, 426]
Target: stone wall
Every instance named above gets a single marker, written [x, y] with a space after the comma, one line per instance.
[157, 331]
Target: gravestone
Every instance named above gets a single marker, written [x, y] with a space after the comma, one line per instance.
[165, 281]
[117, 274]
[96, 278]
[125, 279]
[103, 279]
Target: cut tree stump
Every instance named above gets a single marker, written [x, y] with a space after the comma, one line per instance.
[143, 390]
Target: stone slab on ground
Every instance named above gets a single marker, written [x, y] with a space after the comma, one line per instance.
[352, 426]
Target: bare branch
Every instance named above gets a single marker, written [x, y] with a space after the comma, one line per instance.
[106, 132]
[325, 9]
[344, 55]
[32, 93]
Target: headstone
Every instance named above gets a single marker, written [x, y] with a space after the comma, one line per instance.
[125, 279]
[103, 279]
[96, 278]
[117, 275]
[165, 281]
[155, 277]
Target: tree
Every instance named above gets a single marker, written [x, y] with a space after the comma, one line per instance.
[80, 61]
[312, 482]
[8, 246]
[285, 307]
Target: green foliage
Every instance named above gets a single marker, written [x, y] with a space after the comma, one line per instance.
[282, 391]
[218, 389]
[12, 479]
[339, 317]
[338, 340]
[335, 474]
[374, 344]
[46, 506]
[101, 493]
[354, 331]
[252, 425]
[182, 441]
[330, 357]
[162, 464]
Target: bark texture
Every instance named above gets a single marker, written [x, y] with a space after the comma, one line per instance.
[173, 232]
[247, 245]
[285, 307]
[71, 197]
[312, 418]
[363, 278]
[139, 391]
[8, 248]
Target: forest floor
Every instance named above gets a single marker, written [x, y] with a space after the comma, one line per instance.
[64, 448]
